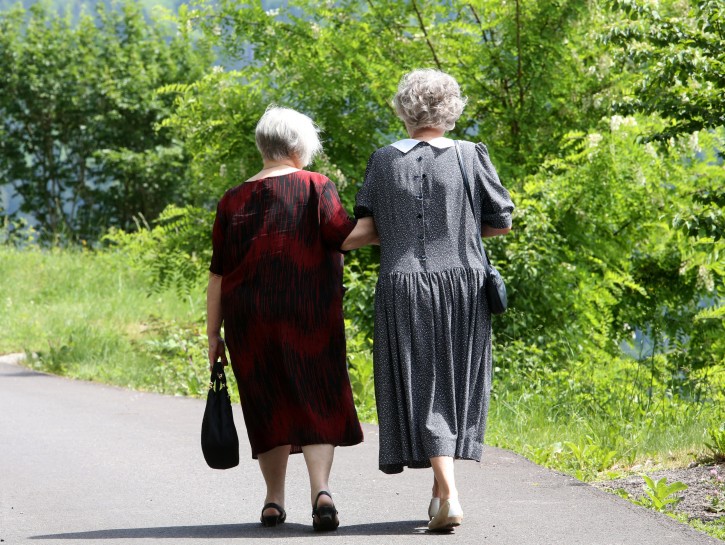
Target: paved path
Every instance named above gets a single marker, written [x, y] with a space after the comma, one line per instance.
[87, 463]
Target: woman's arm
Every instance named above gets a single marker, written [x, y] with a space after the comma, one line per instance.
[363, 234]
[489, 231]
[214, 320]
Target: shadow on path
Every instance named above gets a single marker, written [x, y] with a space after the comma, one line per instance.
[244, 531]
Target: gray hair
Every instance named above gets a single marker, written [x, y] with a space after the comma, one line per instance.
[283, 133]
[429, 98]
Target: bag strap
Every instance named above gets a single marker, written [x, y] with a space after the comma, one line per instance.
[459, 154]
[218, 379]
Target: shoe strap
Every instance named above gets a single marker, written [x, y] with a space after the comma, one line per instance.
[272, 505]
[322, 493]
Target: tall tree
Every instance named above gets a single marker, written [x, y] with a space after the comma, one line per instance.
[673, 53]
[341, 62]
[79, 114]
[603, 229]
[675, 56]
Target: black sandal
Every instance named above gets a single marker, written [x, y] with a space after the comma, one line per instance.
[273, 520]
[326, 515]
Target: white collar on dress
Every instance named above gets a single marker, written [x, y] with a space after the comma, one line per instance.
[408, 144]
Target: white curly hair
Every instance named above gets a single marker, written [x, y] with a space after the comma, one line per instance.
[283, 133]
[429, 98]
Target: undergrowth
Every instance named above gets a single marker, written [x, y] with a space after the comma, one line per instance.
[93, 316]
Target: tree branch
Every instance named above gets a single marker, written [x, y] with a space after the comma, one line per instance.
[519, 69]
[425, 33]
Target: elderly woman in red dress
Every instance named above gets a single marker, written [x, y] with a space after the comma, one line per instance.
[276, 284]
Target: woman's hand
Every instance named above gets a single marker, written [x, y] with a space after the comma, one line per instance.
[217, 350]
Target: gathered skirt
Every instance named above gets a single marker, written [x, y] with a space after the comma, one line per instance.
[432, 360]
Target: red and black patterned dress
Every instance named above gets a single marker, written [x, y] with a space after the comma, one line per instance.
[276, 245]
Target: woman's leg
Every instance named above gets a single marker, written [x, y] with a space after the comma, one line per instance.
[273, 464]
[435, 500]
[319, 464]
[444, 481]
[449, 514]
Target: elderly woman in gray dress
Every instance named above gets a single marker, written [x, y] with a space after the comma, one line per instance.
[432, 340]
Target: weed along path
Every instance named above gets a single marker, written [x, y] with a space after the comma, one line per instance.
[86, 463]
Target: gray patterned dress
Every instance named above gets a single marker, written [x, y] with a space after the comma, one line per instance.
[432, 341]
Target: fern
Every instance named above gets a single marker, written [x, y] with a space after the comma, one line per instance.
[175, 252]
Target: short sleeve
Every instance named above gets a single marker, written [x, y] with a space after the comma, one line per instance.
[364, 199]
[496, 204]
[217, 241]
[335, 224]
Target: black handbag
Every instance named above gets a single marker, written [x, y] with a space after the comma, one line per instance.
[495, 287]
[219, 440]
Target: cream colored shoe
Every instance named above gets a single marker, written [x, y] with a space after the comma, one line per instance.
[433, 507]
[448, 516]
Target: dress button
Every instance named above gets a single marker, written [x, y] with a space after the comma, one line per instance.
[422, 258]
[420, 216]
[424, 176]
[420, 197]
[420, 158]
[420, 237]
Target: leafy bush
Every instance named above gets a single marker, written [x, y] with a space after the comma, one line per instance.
[717, 443]
[80, 141]
[175, 252]
[180, 356]
[360, 370]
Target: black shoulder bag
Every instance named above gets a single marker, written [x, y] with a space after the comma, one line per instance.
[219, 440]
[495, 288]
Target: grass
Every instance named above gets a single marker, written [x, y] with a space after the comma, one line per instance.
[672, 435]
[715, 528]
[90, 316]
[602, 440]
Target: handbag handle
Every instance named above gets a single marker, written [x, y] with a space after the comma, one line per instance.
[470, 201]
[218, 377]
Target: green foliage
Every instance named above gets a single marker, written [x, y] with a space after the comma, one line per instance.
[216, 116]
[360, 370]
[717, 505]
[180, 356]
[584, 460]
[676, 59]
[359, 309]
[717, 443]
[86, 315]
[17, 232]
[598, 252]
[660, 494]
[175, 252]
[359, 279]
[79, 141]
[715, 528]
[341, 62]
[573, 418]
[611, 239]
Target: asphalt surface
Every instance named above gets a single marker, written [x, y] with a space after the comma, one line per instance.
[87, 463]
